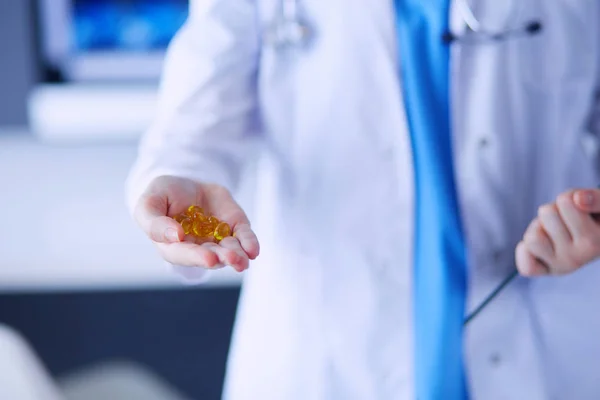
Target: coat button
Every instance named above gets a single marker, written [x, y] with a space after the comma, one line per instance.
[483, 142]
[495, 359]
[497, 256]
[389, 152]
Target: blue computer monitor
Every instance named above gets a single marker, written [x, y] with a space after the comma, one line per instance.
[106, 40]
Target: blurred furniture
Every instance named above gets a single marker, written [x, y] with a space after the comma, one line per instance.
[64, 222]
[181, 336]
[91, 113]
[82, 283]
[23, 377]
[77, 279]
[117, 381]
[99, 64]
[105, 40]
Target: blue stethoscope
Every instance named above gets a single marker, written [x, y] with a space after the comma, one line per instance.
[290, 30]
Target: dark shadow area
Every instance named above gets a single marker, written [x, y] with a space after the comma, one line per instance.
[181, 335]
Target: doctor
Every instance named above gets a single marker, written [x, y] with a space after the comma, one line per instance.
[404, 150]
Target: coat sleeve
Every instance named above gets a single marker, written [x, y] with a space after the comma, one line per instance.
[206, 124]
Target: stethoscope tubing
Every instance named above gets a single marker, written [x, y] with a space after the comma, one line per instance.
[511, 277]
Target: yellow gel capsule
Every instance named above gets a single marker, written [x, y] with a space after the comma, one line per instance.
[213, 221]
[222, 231]
[197, 227]
[207, 231]
[179, 217]
[198, 216]
[194, 209]
[187, 225]
[202, 229]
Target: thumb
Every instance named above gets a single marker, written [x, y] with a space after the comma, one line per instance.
[151, 215]
[587, 200]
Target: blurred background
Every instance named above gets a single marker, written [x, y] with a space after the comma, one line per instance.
[80, 287]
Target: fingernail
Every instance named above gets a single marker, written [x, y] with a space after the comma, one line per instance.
[585, 198]
[171, 235]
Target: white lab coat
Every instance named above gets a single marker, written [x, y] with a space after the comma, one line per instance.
[326, 312]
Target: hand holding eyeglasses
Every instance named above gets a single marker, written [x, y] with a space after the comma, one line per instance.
[564, 236]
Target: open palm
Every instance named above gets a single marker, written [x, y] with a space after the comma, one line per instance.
[168, 196]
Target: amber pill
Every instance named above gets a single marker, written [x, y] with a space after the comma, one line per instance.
[194, 209]
[198, 216]
[207, 231]
[179, 217]
[201, 229]
[222, 231]
[187, 226]
[197, 227]
[213, 221]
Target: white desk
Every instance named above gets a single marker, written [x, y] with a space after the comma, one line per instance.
[63, 222]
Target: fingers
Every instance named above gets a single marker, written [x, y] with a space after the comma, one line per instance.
[222, 204]
[189, 254]
[527, 263]
[232, 253]
[247, 239]
[538, 243]
[151, 215]
[587, 200]
[562, 239]
[207, 255]
[579, 223]
[226, 208]
[229, 251]
[554, 226]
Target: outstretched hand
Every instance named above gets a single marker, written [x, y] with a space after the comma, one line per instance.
[168, 196]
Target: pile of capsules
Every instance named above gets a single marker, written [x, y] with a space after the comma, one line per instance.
[195, 222]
